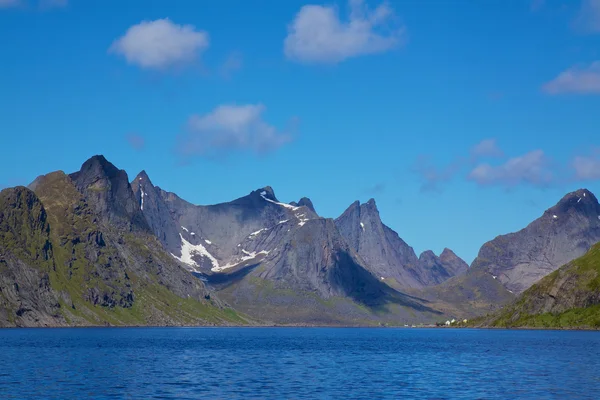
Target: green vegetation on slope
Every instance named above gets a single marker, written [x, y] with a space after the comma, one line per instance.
[567, 298]
[94, 274]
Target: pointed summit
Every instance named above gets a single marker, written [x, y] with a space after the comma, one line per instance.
[156, 212]
[142, 176]
[306, 202]
[107, 188]
[385, 253]
[564, 232]
[268, 192]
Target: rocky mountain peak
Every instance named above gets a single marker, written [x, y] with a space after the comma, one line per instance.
[306, 202]
[564, 232]
[143, 177]
[109, 191]
[427, 255]
[267, 192]
[581, 201]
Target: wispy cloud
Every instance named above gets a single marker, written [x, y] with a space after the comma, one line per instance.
[531, 168]
[10, 3]
[586, 167]
[318, 34]
[433, 177]
[486, 148]
[41, 4]
[161, 44]
[588, 17]
[137, 142]
[230, 128]
[580, 79]
[378, 188]
[233, 63]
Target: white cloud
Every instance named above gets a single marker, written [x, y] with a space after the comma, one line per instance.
[318, 35]
[486, 148]
[531, 168]
[229, 128]
[581, 79]
[161, 44]
[586, 167]
[588, 18]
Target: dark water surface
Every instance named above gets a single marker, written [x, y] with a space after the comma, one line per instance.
[298, 363]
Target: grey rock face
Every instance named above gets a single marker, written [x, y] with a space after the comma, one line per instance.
[78, 251]
[306, 202]
[216, 238]
[25, 260]
[157, 213]
[387, 256]
[563, 233]
[434, 270]
[108, 189]
[257, 242]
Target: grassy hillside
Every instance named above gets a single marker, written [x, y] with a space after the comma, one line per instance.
[60, 266]
[567, 298]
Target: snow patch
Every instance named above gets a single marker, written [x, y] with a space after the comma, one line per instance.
[247, 257]
[207, 241]
[555, 216]
[362, 226]
[142, 194]
[291, 207]
[583, 194]
[188, 250]
[184, 228]
[578, 200]
[282, 222]
[494, 276]
[302, 219]
[256, 233]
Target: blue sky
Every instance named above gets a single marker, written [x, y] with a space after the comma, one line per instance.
[464, 120]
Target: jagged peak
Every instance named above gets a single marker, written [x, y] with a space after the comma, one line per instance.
[142, 177]
[427, 254]
[267, 192]
[98, 167]
[306, 202]
[584, 194]
[448, 253]
[579, 201]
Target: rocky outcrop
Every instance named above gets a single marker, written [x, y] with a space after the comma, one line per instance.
[569, 297]
[81, 253]
[563, 233]
[108, 191]
[388, 256]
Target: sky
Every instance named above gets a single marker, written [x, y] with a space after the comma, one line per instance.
[463, 119]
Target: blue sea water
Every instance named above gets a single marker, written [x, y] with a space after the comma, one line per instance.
[298, 363]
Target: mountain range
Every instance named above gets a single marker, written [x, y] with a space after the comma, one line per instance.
[93, 248]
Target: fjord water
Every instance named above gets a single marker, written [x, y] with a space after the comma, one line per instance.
[298, 363]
